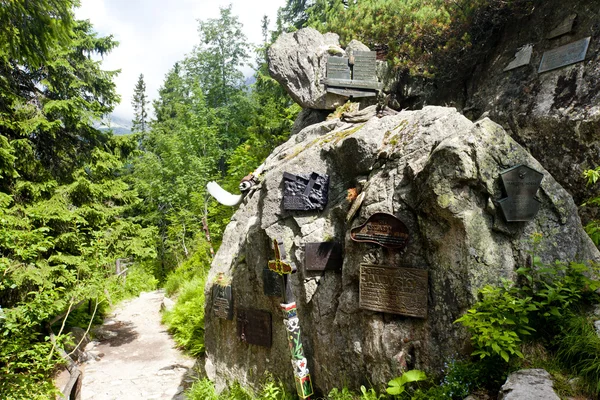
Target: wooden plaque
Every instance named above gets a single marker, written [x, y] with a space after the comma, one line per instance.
[564, 55]
[393, 290]
[254, 326]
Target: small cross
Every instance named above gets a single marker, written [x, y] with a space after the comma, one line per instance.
[278, 265]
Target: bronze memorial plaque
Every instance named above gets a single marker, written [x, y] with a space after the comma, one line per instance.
[564, 55]
[338, 67]
[254, 326]
[382, 229]
[393, 290]
[272, 283]
[223, 302]
[324, 256]
[521, 184]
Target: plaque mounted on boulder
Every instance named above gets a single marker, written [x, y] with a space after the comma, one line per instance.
[521, 184]
[324, 256]
[353, 77]
[272, 283]
[382, 229]
[565, 27]
[223, 302]
[393, 290]
[522, 57]
[254, 326]
[305, 192]
[564, 55]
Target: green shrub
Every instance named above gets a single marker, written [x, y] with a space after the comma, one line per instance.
[204, 389]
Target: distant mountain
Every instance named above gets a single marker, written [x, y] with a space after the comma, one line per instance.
[118, 125]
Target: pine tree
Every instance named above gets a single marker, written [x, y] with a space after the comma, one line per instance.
[139, 103]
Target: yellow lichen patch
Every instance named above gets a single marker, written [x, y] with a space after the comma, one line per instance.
[346, 107]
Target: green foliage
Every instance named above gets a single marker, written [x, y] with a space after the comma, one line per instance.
[139, 103]
[204, 389]
[397, 386]
[593, 227]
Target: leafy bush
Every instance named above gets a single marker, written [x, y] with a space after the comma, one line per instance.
[204, 389]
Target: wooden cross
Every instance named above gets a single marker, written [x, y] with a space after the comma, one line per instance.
[278, 265]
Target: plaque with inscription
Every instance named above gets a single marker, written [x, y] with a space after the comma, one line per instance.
[365, 66]
[353, 78]
[223, 302]
[338, 68]
[393, 290]
[272, 283]
[305, 192]
[565, 27]
[522, 57]
[382, 229]
[254, 326]
[564, 55]
[521, 184]
[324, 256]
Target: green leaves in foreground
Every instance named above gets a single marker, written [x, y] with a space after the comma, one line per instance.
[397, 385]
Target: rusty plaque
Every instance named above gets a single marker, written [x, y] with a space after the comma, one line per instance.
[254, 326]
[564, 55]
[305, 192]
[365, 66]
[565, 27]
[324, 256]
[272, 283]
[338, 68]
[521, 184]
[393, 290]
[382, 229]
[223, 302]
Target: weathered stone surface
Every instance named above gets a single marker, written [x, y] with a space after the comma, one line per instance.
[528, 384]
[308, 117]
[433, 169]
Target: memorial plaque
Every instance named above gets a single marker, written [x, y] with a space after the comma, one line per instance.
[254, 326]
[223, 302]
[350, 83]
[338, 68]
[522, 57]
[365, 66]
[351, 92]
[393, 290]
[521, 184]
[382, 229]
[324, 256]
[272, 283]
[565, 27]
[305, 192]
[564, 55]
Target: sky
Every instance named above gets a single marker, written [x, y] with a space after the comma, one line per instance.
[154, 34]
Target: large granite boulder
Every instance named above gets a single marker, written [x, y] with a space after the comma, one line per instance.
[437, 172]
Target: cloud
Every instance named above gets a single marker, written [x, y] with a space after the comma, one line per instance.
[154, 34]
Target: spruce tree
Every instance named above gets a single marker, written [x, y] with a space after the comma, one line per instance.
[139, 103]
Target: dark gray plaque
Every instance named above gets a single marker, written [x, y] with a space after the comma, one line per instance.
[393, 290]
[365, 66]
[338, 67]
[305, 192]
[564, 55]
[382, 229]
[254, 326]
[324, 256]
[565, 27]
[223, 302]
[521, 184]
[346, 83]
[522, 57]
[272, 283]
[351, 92]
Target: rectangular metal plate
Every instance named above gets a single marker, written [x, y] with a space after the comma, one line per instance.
[254, 326]
[522, 57]
[393, 290]
[565, 27]
[305, 192]
[272, 283]
[324, 256]
[351, 93]
[564, 55]
[338, 68]
[365, 66]
[345, 83]
[223, 302]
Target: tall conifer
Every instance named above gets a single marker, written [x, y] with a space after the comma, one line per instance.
[139, 104]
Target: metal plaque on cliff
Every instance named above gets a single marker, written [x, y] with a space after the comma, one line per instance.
[521, 184]
[272, 283]
[305, 192]
[382, 229]
[223, 302]
[324, 256]
[522, 57]
[355, 76]
[254, 326]
[393, 290]
[565, 27]
[365, 66]
[564, 55]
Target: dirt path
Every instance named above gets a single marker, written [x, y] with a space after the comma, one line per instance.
[135, 357]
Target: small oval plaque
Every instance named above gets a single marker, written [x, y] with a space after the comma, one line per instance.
[382, 229]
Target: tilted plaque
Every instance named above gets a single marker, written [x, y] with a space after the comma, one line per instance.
[565, 27]
[522, 57]
[305, 192]
[254, 326]
[382, 229]
[272, 283]
[223, 302]
[393, 290]
[521, 184]
[564, 55]
[324, 256]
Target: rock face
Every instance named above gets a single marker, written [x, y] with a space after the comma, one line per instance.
[438, 173]
[528, 384]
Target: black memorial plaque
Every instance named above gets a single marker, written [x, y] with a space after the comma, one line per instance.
[223, 302]
[254, 326]
[521, 184]
[338, 68]
[564, 55]
[393, 290]
[382, 229]
[324, 256]
[365, 66]
[272, 283]
[565, 27]
[305, 192]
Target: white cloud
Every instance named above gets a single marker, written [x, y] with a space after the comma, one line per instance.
[154, 34]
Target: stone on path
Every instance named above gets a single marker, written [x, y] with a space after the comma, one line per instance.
[528, 384]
